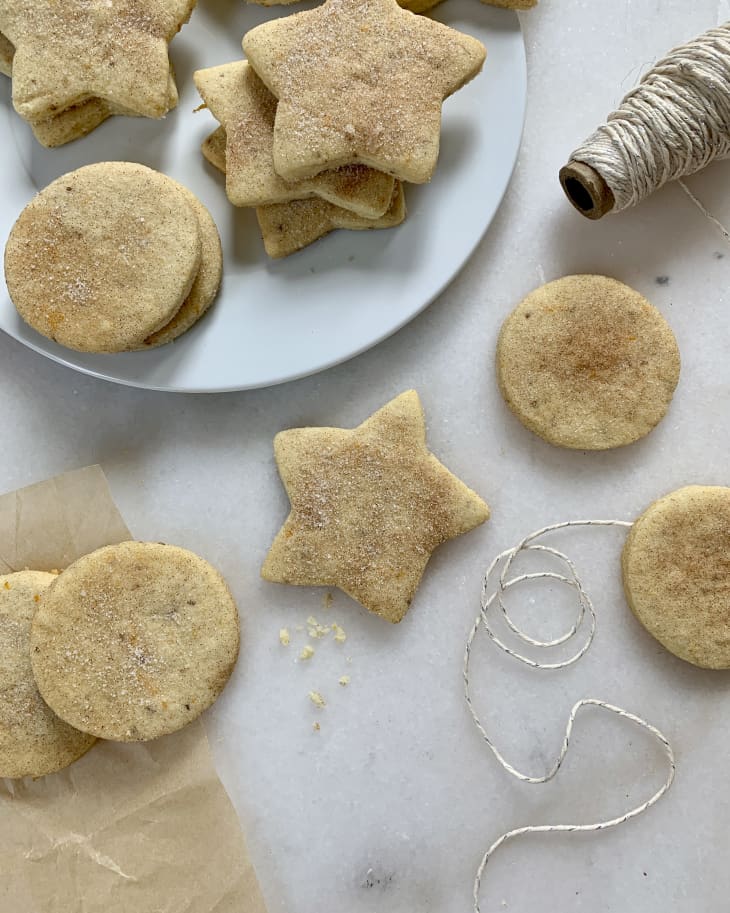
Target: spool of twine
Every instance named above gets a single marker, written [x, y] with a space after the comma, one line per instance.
[673, 124]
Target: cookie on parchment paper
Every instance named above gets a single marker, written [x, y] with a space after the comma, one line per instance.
[33, 740]
[135, 640]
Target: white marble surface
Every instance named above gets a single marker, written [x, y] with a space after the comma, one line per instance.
[391, 804]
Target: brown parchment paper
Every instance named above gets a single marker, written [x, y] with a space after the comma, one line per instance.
[130, 828]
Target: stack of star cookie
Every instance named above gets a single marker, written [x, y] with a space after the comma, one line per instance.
[129, 643]
[113, 257]
[76, 63]
[333, 111]
[421, 6]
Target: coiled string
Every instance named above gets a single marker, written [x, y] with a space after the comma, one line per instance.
[674, 123]
[586, 613]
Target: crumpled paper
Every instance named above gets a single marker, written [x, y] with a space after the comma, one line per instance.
[129, 828]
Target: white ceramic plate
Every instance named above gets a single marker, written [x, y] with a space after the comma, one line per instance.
[278, 320]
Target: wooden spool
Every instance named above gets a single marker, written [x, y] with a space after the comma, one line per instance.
[586, 190]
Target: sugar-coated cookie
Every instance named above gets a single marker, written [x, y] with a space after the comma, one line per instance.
[115, 50]
[360, 81]
[134, 640]
[214, 149]
[368, 507]
[288, 227]
[33, 740]
[6, 56]
[246, 111]
[79, 120]
[587, 363]
[207, 282]
[103, 257]
[676, 573]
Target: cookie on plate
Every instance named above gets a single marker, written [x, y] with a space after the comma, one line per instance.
[676, 573]
[360, 82]
[33, 740]
[587, 363]
[114, 50]
[214, 149]
[368, 507]
[6, 56]
[79, 120]
[104, 257]
[134, 640]
[288, 227]
[246, 111]
[207, 282]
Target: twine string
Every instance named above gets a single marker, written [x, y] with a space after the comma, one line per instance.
[672, 124]
[585, 615]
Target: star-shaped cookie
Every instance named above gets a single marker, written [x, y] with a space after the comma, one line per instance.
[68, 52]
[368, 506]
[7, 51]
[288, 227]
[422, 6]
[360, 81]
[246, 109]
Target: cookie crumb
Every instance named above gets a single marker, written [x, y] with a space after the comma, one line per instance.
[315, 629]
[284, 638]
[344, 680]
[307, 652]
[316, 698]
[340, 636]
[327, 600]
[316, 727]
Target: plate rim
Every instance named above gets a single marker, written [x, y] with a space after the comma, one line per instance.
[351, 354]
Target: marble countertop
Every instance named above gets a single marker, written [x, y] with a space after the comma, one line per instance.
[391, 804]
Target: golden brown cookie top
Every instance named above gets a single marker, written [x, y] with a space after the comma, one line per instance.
[134, 640]
[246, 110]
[368, 506]
[33, 740]
[588, 363]
[207, 282]
[103, 257]
[288, 227]
[68, 52]
[676, 573]
[360, 81]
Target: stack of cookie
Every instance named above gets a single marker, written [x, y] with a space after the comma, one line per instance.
[74, 64]
[129, 643]
[334, 109]
[421, 6]
[113, 257]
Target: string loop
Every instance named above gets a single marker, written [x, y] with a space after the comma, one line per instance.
[586, 612]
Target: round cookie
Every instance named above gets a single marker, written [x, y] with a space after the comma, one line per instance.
[207, 282]
[33, 740]
[134, 640]
[103, 257]
[676, 574]
[587, 363]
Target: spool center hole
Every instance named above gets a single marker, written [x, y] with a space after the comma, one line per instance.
[579, 195]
